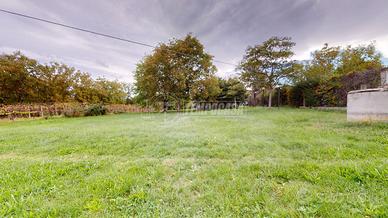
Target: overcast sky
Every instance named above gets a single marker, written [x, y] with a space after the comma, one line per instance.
[225, 27]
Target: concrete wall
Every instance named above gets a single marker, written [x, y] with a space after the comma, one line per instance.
[368, 105]
[384, 77]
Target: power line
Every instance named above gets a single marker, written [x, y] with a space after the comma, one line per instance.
[90, 31]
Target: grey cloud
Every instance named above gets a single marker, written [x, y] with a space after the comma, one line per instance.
[226, 27]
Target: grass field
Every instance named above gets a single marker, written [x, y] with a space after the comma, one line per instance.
[285, 162]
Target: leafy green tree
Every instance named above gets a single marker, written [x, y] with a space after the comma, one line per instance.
[17, 78]
[359, 59]
[60, 81]
[323, 64]
[232, 89]
[111, 92]
[320, 81]
[206, 89]
[175, 72]
[24, 80]
[84, 88]
[303, 93]
[268, 65]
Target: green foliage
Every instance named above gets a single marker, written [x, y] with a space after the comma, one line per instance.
[323, 64]
[322, 81]
[264, 163]
[206, 89]
[17, 78]
[74, 111]
[332, 72]
[303, 93]
[180, 71]
[268, 65]
[176, 71]
[110, 92]
[232, 89]
[359, 59]
[24, 80]
[96, 110]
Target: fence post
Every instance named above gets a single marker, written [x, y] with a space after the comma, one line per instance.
[41, 111]
[12, 115]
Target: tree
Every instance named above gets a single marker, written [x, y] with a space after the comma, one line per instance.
[268, 65]
[206, 89]
[358, 59]
[60, 82]
[84, 88]
[325, 80]
[17, 78]
[24, 80]
[323, 64]
[232, 89]
[111, 92]
[129, 89]
[303, 93]
[175, 72]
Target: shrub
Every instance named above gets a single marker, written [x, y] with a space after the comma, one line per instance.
[96, 110]
[304, 94]
[74, 111]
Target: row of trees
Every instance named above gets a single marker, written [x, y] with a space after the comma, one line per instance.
[180, 71]
[332, 73]
[165, 76]
[24, 80]
[318, 82]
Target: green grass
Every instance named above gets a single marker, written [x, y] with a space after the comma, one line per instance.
[273, 163]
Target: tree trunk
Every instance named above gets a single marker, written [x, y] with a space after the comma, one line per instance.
[178, 106]
[165, 106]
[270, 99]
[254, 102]
[262, 98]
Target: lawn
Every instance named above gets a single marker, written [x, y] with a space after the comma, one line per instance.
[279, 162]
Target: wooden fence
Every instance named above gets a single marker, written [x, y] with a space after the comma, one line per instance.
[59, 109]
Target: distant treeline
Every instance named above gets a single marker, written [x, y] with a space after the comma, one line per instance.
[25, 80]
[323, 81]
[181, 71]
[332, 92]
[332, 73]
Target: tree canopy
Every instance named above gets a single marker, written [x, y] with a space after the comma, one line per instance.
[177, 71]
[232, 89]
[334, 71]
[24, 80]
[180, 71]
[267, 65]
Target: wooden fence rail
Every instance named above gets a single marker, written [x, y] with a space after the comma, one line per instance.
[47, 110]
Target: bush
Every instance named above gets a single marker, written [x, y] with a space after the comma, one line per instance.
[332, 92]
[96, 110]
[74, 111]
[304, 94]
